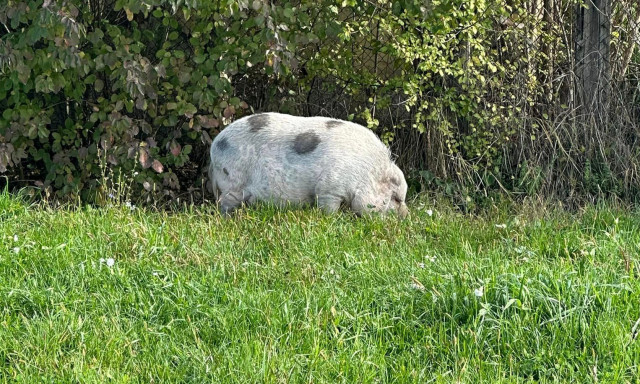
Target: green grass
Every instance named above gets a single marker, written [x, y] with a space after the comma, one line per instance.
[297, 296]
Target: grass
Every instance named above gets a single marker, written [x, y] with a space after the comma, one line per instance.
[517, 294]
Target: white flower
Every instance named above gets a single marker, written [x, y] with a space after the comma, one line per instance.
[16, 249]
[111, 196]
[417, 286]
[421, 265]
[135, 173]
[15, 238]
[501, 226]
[129, 205]
[429, 212]
[432, 259]
[154, 273]
[109, 261]
[479, 292]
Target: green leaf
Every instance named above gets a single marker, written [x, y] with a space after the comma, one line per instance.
[98, 85]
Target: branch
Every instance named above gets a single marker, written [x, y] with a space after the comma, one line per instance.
[634, 39]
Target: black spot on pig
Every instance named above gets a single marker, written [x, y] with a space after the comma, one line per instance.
[306, 142]
[333, 123]
[222, 144]
[257, 122]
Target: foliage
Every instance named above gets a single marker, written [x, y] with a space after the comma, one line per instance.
[135, 85]
[477, 92]
[482, 93]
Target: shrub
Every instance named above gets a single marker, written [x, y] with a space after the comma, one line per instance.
[135, 84]
[479, 93]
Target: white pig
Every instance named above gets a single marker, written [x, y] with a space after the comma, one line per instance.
[281, 159]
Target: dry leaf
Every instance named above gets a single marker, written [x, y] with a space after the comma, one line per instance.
[157, 166]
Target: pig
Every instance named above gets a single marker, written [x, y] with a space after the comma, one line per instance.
[283, 159]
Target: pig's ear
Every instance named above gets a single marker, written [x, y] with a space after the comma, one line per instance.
[394, 180]
[392, 176]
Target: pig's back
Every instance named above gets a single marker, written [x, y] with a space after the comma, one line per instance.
[303, 136]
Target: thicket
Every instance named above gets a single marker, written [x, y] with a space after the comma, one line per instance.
[472, 95]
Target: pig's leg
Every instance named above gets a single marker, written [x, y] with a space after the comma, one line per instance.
[329, 203]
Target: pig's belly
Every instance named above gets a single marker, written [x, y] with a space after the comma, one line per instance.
[273, 183]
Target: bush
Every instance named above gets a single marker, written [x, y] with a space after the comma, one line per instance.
[476, 92]
[138, 86]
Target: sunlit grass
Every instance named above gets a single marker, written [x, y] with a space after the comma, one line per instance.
[513, 295]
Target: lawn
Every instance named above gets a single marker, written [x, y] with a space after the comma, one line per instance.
[518, 293]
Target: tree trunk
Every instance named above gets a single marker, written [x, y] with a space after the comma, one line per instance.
[549, 22]
[593, 36]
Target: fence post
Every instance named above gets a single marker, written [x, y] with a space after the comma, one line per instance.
[592, 56]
